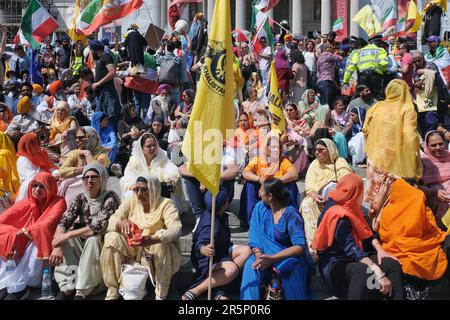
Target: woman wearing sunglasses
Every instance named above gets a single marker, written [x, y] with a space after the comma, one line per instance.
[77, 241]
[26, 233]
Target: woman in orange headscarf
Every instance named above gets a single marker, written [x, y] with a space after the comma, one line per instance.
[408, 231]
[26, 234]
[6, 116]
[391, 144]
[31, 160]
[246, 136]
[349, 255]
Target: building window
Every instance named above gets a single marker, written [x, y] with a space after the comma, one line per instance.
[317, 10]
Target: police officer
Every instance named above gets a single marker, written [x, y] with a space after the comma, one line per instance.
[370, 62]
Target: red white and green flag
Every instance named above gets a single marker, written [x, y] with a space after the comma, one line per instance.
[386, 11]
[36, 25]
[265, 5]
[263, 30]
[338, 26]
[98, 13]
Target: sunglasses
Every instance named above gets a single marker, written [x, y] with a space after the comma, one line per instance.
[140, 189]
[37, 185]
[93, 178]
[80, 137]
[320, 150]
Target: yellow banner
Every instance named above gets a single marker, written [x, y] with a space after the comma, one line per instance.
[413, 14]
[278, 123]
[213, 110]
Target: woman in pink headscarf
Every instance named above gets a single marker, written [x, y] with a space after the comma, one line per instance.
[284, 71]
[436, 174]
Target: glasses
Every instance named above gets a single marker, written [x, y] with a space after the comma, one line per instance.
[140, 189]
[80, 137]
[37, 185]
[320, 150]
[93, 178]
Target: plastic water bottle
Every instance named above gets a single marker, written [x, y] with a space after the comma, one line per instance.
[46, 284]
[10, 268]
[354, 158]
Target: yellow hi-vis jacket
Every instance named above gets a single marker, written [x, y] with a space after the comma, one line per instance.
[369, 58]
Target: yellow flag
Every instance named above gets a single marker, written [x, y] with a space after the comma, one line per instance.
[213, 110]
[278, 123]
[73, 34]
[368, 21]
[440, 3]
[413, 14]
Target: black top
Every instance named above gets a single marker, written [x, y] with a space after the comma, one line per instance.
[64, 57]
[100, 68]
[432, 24]
[135, 44]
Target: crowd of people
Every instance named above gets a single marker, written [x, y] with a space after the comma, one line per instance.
[92, 173]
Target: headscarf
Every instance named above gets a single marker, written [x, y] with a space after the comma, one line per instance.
[37, 88]
[281, 59]
[95, 204]
[94, 144]
[39, 221]
[127, 117]
[61, 126]
[30, 147]
[390, 133]
[408, 231]
[24, 105]
[9, 177]
[104, 133]
[348, 198]
[322, 113]
[435, 170]
[54, 86]
[319, 175]
[361, 112]
[9, 116]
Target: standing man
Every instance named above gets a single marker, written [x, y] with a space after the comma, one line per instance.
[406, 65]
[107, 99]
[265, 58]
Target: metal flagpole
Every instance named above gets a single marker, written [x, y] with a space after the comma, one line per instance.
[213, 220]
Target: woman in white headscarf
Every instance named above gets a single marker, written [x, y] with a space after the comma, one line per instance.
[148, 158]
[155, 229]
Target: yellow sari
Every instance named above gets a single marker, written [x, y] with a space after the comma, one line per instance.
[61, 126]
[391, 139]
[9, 177]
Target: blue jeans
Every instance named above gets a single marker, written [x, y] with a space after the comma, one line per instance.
[175, 95]
[142, 102]
[327, 92]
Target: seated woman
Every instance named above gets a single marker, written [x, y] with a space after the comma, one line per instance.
[31, 160]
[107, 134]
[356, 143]
[436, 174]
[6, 116]
[78, 238]
[185, 108]
[246, 136]
[323, 173]
[9, 177]
[159, 230]
[339, 115]
[89, 150]
[408, 231]
[228, 259]
[347, 248]
[62, 134]
[177, 132]
[308, 105]
[295, 142]
[270, 164]
[148, 158]
[130, 128]
[160, 132]
[278, 243]
[26, 234]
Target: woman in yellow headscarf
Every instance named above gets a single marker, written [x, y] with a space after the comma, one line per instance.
[63, 130]
[9, 177]
[391, 143]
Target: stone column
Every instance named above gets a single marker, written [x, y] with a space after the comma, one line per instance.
[211, 4]
[297, 11]
[325, 18]
[164, 13]
[241, 14]
[155, 12]
[354, 27]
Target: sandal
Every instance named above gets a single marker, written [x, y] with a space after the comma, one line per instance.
[221, 295]
[188, 295]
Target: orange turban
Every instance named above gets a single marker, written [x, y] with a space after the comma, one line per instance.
[24, 105]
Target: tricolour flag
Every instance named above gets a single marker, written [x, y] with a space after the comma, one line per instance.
[386, 11]
[368, 21]
[265, 5]
[278, 123]
[262, 24]
[213, 110]
[413, 17]
[338, 26]
[98, 13]
[73, 32]
[37, 24]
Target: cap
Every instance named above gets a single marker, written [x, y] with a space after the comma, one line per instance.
[376, 38]
[96, 45]
[434, 39]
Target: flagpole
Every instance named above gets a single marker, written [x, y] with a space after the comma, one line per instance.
[213, 220]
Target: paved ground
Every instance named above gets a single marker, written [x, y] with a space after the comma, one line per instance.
[182, 279]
